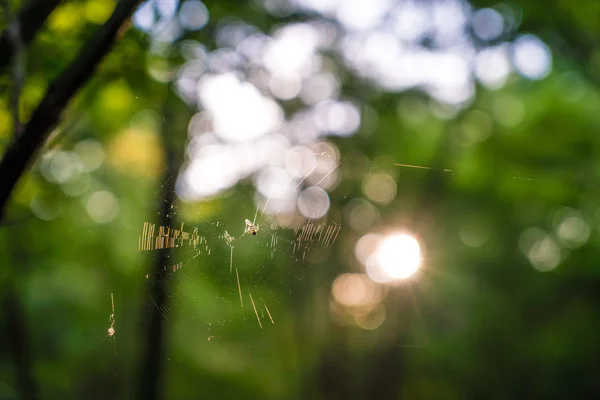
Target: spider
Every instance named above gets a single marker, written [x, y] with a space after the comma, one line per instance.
[111, 331]
[251, 228]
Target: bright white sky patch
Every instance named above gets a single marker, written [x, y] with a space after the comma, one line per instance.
[290, 52]
[340, 118]
[380, 40]
[240, 112]
[450, 19]
[362, 14]
[276, 182]
[488, 24]
[492, 66]
[201, 176]
[144, 17]
[411, 21]
[319, 87]
[531, 57]
[166, 8]
[284, 89]
[193, 15]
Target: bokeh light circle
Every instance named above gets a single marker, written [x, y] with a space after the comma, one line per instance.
[399, 256]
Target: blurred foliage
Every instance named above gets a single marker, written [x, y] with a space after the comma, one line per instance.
[478, 322]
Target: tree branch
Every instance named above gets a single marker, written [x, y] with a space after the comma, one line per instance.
[47, 114]
[30, 19]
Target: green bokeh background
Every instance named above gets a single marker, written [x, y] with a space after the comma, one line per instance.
[477, 322]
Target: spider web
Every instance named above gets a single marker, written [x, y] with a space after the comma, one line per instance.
[221, 279]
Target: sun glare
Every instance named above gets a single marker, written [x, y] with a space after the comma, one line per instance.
[399, 256]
